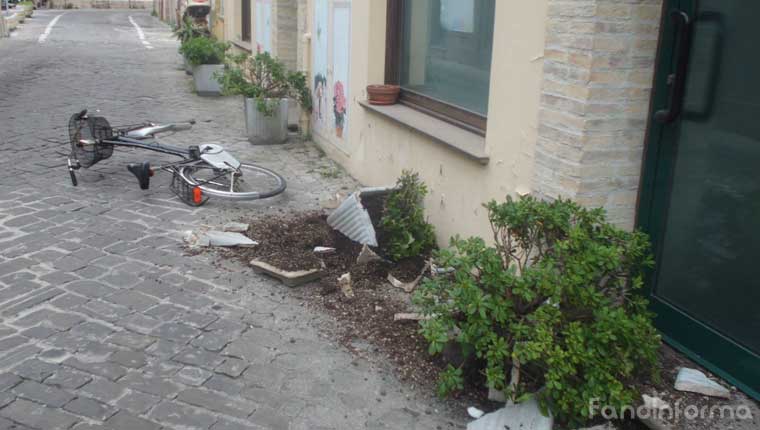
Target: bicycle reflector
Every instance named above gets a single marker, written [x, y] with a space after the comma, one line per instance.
[197, 195]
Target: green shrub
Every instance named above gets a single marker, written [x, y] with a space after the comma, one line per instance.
[555, 297]
[204, 50]
[185, 31]
[264, 78]
[403, 226]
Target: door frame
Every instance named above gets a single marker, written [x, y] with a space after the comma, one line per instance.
[701, 343]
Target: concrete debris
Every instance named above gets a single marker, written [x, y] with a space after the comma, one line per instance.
[289, 278]
[408, 286]
[523, 416]
[436, 270]
[202, 238]
[333, 202]
[475, 412]
[344, 282]
[225, 238]
[237, 227]
[694, 381]
[324, 250]
[366, 255]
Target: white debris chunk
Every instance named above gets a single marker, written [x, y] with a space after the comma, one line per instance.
[475, 412]
[694, 381]
[237, 227]
[522, 416]
[324, 250]
[228, 239]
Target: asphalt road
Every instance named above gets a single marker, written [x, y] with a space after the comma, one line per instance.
[104, 321]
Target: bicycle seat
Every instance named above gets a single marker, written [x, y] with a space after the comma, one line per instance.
[142, 172]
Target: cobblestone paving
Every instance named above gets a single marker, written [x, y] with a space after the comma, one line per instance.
[104, 323]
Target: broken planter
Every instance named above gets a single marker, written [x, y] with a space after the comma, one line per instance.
[289, 278]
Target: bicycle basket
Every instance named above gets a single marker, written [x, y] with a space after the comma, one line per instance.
[86, 137]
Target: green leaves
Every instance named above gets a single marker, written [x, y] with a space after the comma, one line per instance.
[264, 78]
[554, 292]
[403, 223]
[204, 50]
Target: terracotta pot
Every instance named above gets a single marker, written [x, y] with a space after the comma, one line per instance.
[382, 94]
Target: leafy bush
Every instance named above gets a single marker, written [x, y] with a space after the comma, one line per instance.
[553, 302]
[204, 50]
[403, 225]
[186, 31]
[266, 79]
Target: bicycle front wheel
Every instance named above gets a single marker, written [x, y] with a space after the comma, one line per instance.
[248, 182]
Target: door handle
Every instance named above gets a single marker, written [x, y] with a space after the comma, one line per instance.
[677, 80]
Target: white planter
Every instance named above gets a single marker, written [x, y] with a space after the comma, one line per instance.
[266, 130]
[205, 82]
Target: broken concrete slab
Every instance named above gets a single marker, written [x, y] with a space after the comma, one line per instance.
[523, 416]
[236, 227]
[289, 278]
[228, 239]
[366, 255]
[475, 412]
[694, 381]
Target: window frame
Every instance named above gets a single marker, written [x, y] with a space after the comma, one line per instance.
[450, 113]
[245, 21]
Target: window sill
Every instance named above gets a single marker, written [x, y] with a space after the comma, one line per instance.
[455, 138]
[246, 46]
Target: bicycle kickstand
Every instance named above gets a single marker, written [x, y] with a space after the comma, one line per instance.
[72, 168]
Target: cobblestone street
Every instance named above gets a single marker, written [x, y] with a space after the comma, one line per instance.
[105, 323]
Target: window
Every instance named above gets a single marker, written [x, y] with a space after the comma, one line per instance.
[439, 52]
[245, 25]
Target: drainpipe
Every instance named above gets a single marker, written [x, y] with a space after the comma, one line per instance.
[305, 121]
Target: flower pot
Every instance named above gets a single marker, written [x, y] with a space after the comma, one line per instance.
[383, 94]
[266, 130]
[205, 82]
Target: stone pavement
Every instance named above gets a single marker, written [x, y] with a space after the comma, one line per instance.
[104, 322]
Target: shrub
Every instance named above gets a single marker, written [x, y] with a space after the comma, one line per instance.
[186, 31]
[204, 50]
[403, 226]
[553, 300]
[264, 78]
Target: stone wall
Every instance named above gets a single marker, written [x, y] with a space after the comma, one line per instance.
[285, 31]
[598, 66]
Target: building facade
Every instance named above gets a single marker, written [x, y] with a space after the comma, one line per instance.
[643, 107]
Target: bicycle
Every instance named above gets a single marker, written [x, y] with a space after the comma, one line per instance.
[206, 170]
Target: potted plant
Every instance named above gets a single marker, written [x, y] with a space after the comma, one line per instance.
[382, 94]
[28, 8]
[184, 32]
[266, 85]
[206, 56]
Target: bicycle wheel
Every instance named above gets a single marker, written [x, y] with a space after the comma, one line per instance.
[248, 182]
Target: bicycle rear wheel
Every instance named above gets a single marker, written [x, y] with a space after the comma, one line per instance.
[248, 182]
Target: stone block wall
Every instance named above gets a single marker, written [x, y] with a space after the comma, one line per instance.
[598, 67]
[285, 31]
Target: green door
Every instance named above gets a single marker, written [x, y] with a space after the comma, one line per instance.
[700, 198]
